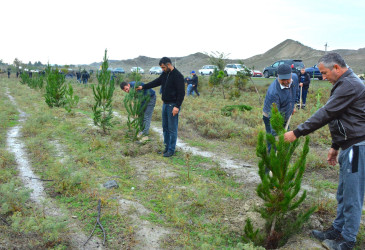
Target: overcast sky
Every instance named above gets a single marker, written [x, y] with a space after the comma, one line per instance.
[78, 31]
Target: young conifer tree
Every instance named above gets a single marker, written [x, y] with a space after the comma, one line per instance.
[280, 189]
[55, 88]
[135, 103]
[103, 95]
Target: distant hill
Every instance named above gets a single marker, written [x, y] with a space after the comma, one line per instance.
[288, 49]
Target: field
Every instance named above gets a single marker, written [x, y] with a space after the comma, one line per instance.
[199, 198]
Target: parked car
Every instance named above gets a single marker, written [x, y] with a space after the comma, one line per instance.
[256, 73]
[232, 69]
[156, 70]
[314, 72]
[137, 69]
[207, 69]
[118, 71]
[273, 69]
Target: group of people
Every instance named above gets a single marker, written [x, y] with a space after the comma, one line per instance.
[344, 113]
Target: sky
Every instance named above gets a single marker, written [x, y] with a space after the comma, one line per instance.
[78, 31]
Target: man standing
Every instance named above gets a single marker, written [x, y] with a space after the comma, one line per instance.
[173, 92]
[344, 112]
[149, 108]
[194, 81]
[282, 92]
[304, 81]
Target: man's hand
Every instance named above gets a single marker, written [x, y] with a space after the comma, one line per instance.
[139, 88]
[332, 156]
[175, 111]
[301, 84]
[290, 136]
[294, 110]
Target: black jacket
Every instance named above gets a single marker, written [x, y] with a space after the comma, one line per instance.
[344, 113]
[173, 87]
[194, 80]
[305, 79]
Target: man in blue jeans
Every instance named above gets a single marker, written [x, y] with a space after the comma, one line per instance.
[173, 92]
[344, 112]
[149, 108]
[283, 93]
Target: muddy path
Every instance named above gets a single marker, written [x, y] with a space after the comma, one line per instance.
[31, 181]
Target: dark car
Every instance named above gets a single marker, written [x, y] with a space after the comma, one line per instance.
[314, 72]
[273, 69]
[118, 71]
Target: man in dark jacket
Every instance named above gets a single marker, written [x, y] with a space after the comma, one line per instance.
[173, 92]
[194, 82]
[344, 112]
[304, 81]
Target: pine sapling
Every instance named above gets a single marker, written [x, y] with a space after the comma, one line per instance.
[71, 100]
[280, 189]
[103, 95]
[55, 88]
[135, 103]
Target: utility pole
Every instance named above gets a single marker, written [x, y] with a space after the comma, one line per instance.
[325, 47]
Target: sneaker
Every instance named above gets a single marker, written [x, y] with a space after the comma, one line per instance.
[168, 154]
[330, 234]
[162, 152]
[338, 244]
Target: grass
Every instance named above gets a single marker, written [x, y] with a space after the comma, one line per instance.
[203, 210]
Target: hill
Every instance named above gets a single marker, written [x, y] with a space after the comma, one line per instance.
[284, 50]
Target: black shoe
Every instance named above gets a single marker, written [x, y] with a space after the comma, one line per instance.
[168, 154]
[329, 234]
[298, 106]
[162, 152]
[338, 244]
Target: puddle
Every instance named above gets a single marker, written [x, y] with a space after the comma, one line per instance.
[31, 181]
[17, 147]
[241, 169]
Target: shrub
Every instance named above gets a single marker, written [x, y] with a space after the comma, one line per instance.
[55, 88]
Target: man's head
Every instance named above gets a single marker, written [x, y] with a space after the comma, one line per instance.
[284, 74]
[302, 70]
[166, 64]
[193, 72]
[125, 86]
[332, 66]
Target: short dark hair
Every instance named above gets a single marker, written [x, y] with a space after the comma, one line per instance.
[332, 58]
[165, 60]
[123, 84]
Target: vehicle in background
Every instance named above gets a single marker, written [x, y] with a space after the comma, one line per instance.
[232, 69]
[137, 69]
[207, 69]
[118, 71]
[156, 70]
[272, 70]
[256, 73]
[314, 72]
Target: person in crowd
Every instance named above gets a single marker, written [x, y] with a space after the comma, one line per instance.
[282, 91]
[9, 73]
[173, 92]
[189, 86]
[304, 81]
[194, 82]
[344, 112]
[85, 77]
[149, 108]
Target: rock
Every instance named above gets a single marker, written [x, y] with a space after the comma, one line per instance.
[111, 184]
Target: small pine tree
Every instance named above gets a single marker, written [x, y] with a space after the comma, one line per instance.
[103, 95]
[279, 190]
[55, 88]
[71, 100]
[24, 78]
[135, 103]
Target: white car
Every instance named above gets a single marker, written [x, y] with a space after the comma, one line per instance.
[207, 69]
[232, 69]
[156, 70]
[137, 69]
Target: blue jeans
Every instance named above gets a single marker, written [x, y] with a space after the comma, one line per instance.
[350, 191]
[148, 115]
[304, 95]
[189, 90]
[169, 126]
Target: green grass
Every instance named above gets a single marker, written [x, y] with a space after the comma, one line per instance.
[204, 209]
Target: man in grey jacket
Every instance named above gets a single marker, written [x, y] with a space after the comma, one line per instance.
[344, 112]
